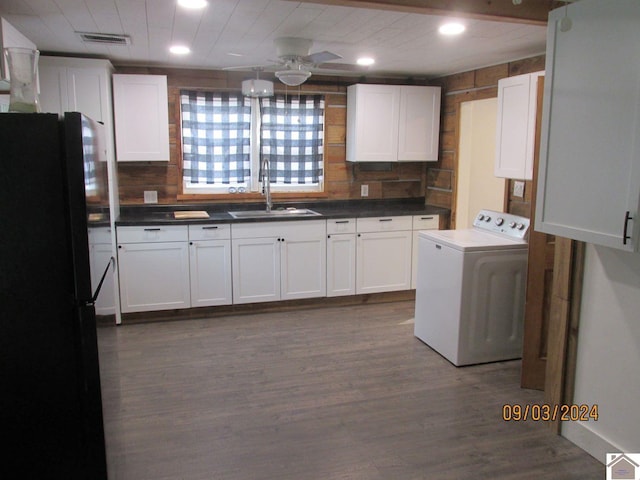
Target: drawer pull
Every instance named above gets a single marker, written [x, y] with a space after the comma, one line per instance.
[625, 235]
[386, 220]
[152, 229]
[342, 221]
[426, 218]
[209, 228]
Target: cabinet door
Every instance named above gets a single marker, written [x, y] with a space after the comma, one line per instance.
[54, 95]
[341, 264]
[589, 174]
[383, 261]
[100, 258]
[372, 119]
[141, 117]
[420, 222]
[515, 127]
[256, 269]
[303, 266]
[419, 124]
[210, 271]
[154, 276]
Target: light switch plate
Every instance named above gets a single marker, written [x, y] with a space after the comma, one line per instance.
[518, 189]
[150, 196]
[364, 190]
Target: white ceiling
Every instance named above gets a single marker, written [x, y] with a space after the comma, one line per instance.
[402, 43]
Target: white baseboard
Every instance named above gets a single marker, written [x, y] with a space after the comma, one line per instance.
[588, 440]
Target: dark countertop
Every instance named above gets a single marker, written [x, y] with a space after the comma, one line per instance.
[163, 214]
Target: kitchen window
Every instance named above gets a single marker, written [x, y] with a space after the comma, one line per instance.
[225, 137]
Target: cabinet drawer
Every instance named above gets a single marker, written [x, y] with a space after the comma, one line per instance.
[341, 225]
[210, 232]
[99, 235]
[384, 224]
[426, 222]
[153, 233]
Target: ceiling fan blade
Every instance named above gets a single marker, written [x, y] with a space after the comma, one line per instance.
[321, 57]
[342, 67]
[255, 68]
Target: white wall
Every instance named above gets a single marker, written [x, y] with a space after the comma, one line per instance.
[608, 364]
[477, 186]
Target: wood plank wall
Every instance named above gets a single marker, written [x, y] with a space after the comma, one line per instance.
[462, 87]
[342, 179]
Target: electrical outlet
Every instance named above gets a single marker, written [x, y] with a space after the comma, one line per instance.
[150, 196]
[364, 190]
[518, 189]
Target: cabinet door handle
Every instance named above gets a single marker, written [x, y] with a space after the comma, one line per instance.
[386, 220]
[210, 228]
[625, 237]
[151, 229]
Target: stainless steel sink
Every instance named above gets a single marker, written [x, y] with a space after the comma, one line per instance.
[275, 213]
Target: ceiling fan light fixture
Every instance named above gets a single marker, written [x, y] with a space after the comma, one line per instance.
[293, 78]
[256, 87]
[365, 61]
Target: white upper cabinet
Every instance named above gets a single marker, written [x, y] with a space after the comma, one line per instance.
[392, 123]
[141, 117]
[78, 85]
[589, 176]
[516, 126]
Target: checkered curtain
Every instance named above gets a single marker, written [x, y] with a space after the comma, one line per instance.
[216, 131]
[291, 134]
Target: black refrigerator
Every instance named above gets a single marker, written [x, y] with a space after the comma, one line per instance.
[52, 180]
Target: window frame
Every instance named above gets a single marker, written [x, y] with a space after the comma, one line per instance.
[254, 184]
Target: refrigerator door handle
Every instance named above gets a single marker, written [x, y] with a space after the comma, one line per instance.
[112, 262]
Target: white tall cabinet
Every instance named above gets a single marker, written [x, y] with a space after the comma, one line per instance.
[141, 117]
[392, 123]
[589, 176]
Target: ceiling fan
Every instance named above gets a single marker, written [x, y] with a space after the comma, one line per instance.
[295, 63]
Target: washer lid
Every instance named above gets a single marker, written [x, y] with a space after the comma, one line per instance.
[469, 240]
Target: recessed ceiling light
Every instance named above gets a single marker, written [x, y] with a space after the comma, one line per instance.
[365, 61]
[452, 28]
[179, 49]
[192, 3]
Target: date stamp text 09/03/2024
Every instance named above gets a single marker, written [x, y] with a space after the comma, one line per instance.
[549, 413]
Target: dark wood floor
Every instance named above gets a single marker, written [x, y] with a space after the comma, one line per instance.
[335, 393]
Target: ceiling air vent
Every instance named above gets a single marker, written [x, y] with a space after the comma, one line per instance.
[106, 38]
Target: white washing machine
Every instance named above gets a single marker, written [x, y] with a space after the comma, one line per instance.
[470, 291]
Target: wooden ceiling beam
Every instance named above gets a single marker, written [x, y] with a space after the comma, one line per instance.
[533, 12]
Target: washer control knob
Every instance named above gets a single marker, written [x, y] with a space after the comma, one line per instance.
[487, 218]
[499, 221]
[480, 216]
[512, 224]
[521, 226]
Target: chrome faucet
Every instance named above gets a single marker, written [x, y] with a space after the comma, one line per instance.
[266, 183]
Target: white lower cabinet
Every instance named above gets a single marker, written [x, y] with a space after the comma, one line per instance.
[420, 222]
[100, 253]
[210, 265]
[341, 257]
[278, 261]
[154, 268]
[383, 254]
